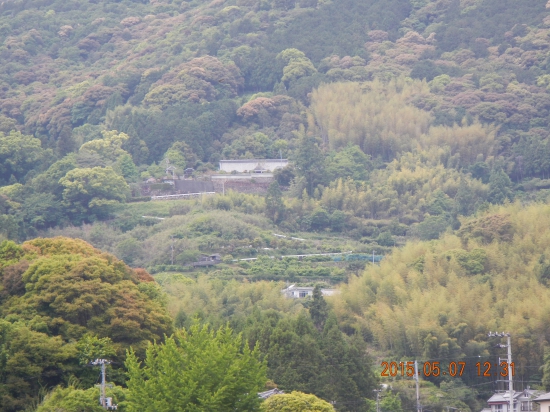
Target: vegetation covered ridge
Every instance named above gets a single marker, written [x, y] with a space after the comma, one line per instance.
[416, 131]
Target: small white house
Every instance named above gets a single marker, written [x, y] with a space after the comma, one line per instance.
[524, 401]
[543, 401]
[252, 165]
[298, 292]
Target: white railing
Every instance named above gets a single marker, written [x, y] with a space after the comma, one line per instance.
[298, 256]
[181, 196]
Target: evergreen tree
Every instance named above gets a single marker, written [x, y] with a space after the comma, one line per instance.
[127, 168]
[319, 219]
[465, 202]
[347, 377]
[337, 383]
[274, 206]
[545, 368]
[499, 187]
[294, 355]
[65, 142]
[310, 162]
[318, 309]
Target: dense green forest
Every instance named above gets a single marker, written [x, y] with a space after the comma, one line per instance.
[417, 131]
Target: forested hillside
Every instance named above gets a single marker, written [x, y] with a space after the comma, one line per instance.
[417, 133]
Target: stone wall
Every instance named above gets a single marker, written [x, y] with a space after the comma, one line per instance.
[243, 186]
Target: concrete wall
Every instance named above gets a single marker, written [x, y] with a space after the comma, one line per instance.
[194, 186]
[242, 186]
[249, 165]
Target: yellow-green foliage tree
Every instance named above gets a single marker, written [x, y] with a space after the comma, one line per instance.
[77, 399]
[468, 143]
[296, 402]
[56, 292]
[403, 190]
[439, 299]
[75, 288]
[376, 116]
[208, 298]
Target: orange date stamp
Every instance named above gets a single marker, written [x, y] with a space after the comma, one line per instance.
[452, 369]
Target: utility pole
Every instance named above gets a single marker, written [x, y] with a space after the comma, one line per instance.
[172, 247]
[510, 377]
[377, 399]
[103, 400]
[510, 382]
[102, 397]
[418, 408]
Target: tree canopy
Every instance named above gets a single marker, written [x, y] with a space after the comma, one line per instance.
[295, 402]
[56, 292]
[196, 370]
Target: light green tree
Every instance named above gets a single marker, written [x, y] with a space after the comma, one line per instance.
[73, 399]
[196, 370]
[296, 65]
[176, 155]
[91, 347]
[391, 403]
[91, 193]
[18, 155]
[349, 162]
[29, 359]
[296, 402]
[109, 148]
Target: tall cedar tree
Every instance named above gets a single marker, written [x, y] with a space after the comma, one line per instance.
[318, 309]
[274, 206]
[310, 162]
